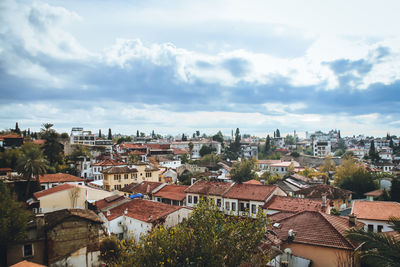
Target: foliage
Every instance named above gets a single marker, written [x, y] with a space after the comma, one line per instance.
[290, 140]
[64, 136]
[207, 238]
[111, 250]
[79, 152]
[342, 144]
[210, 159]
[267, 147]
[339, 152]
[185, 177]
[295, 154]
[205, 150]
[123, 139]
[243, 171]
[190, 147]
[270, 178]
[353, 177]
[109, 137]
[8, 158]
[334, 212]
[277, 133]
[184, 137]
[329, 165]
[312, 173]
[236, 144]
[184, 158]
[372, 153]
[52, 148]
[219, 137]
[395, 190]
[378, 249]
[31, 163]
[385, 196]
[13, 219]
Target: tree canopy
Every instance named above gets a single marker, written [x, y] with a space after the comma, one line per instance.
[243, 171]
[207, 238]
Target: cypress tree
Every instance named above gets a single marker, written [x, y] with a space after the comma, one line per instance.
[109, 134]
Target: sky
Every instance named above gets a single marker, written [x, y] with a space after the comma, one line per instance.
[181, 66]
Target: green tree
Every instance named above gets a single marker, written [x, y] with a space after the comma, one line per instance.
[236, 144]
[207, 238]
[9, 158]
[137, 133]
[204, 150]
[329, 165]
[290, 140]
[197, 133]
[278, 133]
[378, 249]
[267, 144]
[270, 178]
[184, 137]
[52, 148]
[360, 182]
[109, 134]
[185, 177]
[17, 130]
[111, 250]
[31, 163]
[243, 171]
[190, 147]
[46, 127]
[395, 189]
[219, 137]
[13, 221]
[372, 153]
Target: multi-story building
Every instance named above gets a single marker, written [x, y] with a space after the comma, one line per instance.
[321, 148]
[197, 145]
[81, 137]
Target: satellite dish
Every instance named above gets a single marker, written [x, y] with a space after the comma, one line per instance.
[288, 251]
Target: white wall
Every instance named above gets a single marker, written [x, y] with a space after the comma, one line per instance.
[375, 223]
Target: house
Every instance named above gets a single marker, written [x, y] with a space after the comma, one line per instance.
[26, 263]
[65, 196]
[291, 185]
[283, 166]
[292, 205]
[202, 188]
[375, 214]
[171, 194]
[132, 218]
[145, 188]
[240, 199]
[339, 198]
[321, 148]
[94, 171]
[371, 196]
[50, 180]
[69, 237]
[170, 176]
[11, 141]
[315, 236]
[266, 164]
[197, 145]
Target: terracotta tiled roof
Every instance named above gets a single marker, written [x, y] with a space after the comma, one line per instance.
[174, 192]
[285, 164]
[116, 170]
[178, 151]
[268, 161]
[292, 204]
[144, 188]
[137, 152]
[39, 142]
[252, 181]
[143, 210]
[375, 193]
[250, 192]
[316, 228]
[109, 162]
[27, 264]
[375, 210]
[11, 136]
[53, 190]
[208, 188]
[55, 217]
[5, 169]
[59, 177]
[103, 203]
[280, 215]
[317, 191]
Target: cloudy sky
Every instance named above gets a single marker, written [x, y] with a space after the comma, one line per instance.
[181, 66]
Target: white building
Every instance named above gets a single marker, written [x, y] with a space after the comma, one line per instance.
[321, 148]
[197, 145]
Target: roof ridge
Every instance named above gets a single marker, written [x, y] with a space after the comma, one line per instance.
[335, 229]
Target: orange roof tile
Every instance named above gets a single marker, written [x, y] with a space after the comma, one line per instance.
[375, 193]
[10, 136]
[375, 210]
[53, 190]
[26, 263]
[59, 177]
[39, 141]
[317, 191]
[252, 181]
[174, 192]
[145, 187]
[143, 210]
[291, 204]
[108, 201]
[203, 187]
[317, 228]
[108, 162]
[250, 192]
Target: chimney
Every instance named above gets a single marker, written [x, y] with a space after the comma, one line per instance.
[40, 222]
[352, 219]
[324, 201]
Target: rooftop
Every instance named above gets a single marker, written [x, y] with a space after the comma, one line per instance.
[108, 162]
[59, 177]
[174, 192]
[291, 204]
[203, 187]
[53, 190]
[55, 217]
[119, 169]
[376, 210]
[317, 191]
[144, 187]
[250, 192]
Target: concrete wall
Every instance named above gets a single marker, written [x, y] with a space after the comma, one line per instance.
[15, 253]
[62, 200]
[375, 224]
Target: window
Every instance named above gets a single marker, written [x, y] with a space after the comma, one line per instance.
[189, 199]
[241, 206]
[148, 174]
[380, 228]
[233, 206]
[28, 250]
[253, 209]
[219, 202]
[134, 175]
[370, 227]
[195, 199]
[227, 205]
[117, 187]
[126, 176]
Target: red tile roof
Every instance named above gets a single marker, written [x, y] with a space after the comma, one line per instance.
[13, 136]
[53, 190]
[59, 177]
[375, 193]
[26, 263]
[376, 210]
[109, 162]
[55, 217]
[203, 187]
[178, 151]
[292, 204]
[174, 192]
[143, 210]
[39, 142]
[250, 192]
[317, 228]
[108, 201]
[5, 170]
[144, 188]
[252, 182]
[317, 191]
[119, 169]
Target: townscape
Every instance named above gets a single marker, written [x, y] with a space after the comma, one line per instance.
[94, 198]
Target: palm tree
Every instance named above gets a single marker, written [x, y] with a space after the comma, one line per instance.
[378, 249]
[32, 163]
